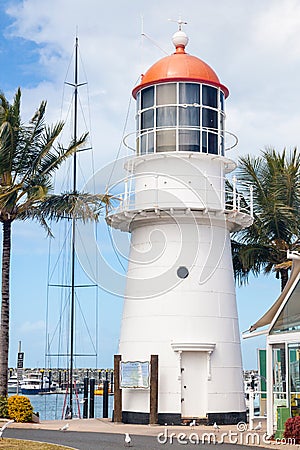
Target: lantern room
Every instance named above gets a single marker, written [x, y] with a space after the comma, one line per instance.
[180, 105]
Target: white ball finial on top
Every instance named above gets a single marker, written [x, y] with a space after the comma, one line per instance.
[180, 38]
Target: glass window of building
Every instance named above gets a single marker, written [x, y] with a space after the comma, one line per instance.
[279, 370]
[166, 94]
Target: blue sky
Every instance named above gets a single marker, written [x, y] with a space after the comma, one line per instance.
[253, 47]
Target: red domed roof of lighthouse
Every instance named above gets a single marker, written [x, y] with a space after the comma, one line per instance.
[180, 66]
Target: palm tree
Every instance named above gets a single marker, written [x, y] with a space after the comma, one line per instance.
[263, 246]
[28, 160]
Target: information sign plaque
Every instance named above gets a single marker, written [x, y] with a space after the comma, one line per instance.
[135, 374]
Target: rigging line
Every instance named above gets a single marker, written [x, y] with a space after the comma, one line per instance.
[88, 97]
[91, 265]
[155, 43]
[114, 247]
[86, 325]
[47, 299]
[61, 315]
[83, 176]
[82, 112]
[63, 245]
[97, 319]
[62, 311]
[142, 41]
[68, 114]
[123, 133]
[66, 77]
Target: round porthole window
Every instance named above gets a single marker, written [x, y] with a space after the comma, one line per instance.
[182, 272]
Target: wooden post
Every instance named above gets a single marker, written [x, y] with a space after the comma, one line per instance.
[117, 390]
[154, 390]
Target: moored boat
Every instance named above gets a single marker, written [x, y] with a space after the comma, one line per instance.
[99, 390]
[35, 383]
[13, 384]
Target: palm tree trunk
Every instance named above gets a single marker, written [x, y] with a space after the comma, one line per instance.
[284, 276]
[4, 325]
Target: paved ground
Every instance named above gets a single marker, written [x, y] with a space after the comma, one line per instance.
[104, 441]
[102, 434]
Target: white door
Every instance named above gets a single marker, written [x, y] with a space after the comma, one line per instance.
[193, 384]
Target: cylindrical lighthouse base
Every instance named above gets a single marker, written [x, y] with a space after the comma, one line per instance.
[180, 304]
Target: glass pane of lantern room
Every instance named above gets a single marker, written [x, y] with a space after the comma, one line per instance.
[166, 141]
[210, 136]
[209, 96]
[189, 93]
[166, 116]
[189, 141]
[147, 119]
[209, 118]
[189, 116]
[212, 143]
[221, 101]
[147, 143]
[222, 135]
[147, 97]
[166, 94]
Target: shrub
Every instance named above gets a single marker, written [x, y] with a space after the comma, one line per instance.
[20, 408]
[3, 408]
[292, 429]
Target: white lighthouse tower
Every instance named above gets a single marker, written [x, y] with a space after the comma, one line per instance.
[180, 301]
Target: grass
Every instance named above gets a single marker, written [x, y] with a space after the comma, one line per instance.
[16, 444]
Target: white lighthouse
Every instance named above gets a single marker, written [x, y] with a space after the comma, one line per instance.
[180, 301]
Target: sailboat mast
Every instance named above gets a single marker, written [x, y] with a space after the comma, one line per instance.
[72, 315]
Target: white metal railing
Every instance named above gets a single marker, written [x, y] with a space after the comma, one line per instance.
[145, 141]
[229, 197]
[256, 401]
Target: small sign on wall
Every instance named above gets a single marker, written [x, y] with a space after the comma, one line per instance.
[135, 375]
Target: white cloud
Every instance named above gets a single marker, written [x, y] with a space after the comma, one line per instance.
[32, 327]
[277, 29]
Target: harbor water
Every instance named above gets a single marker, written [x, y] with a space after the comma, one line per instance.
[50, 406]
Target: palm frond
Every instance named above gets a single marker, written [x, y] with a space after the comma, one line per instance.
[275, 178]
[83, 206]
[53, 159]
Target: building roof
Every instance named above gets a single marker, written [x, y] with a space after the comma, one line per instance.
[269, 316]
[180, 66]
